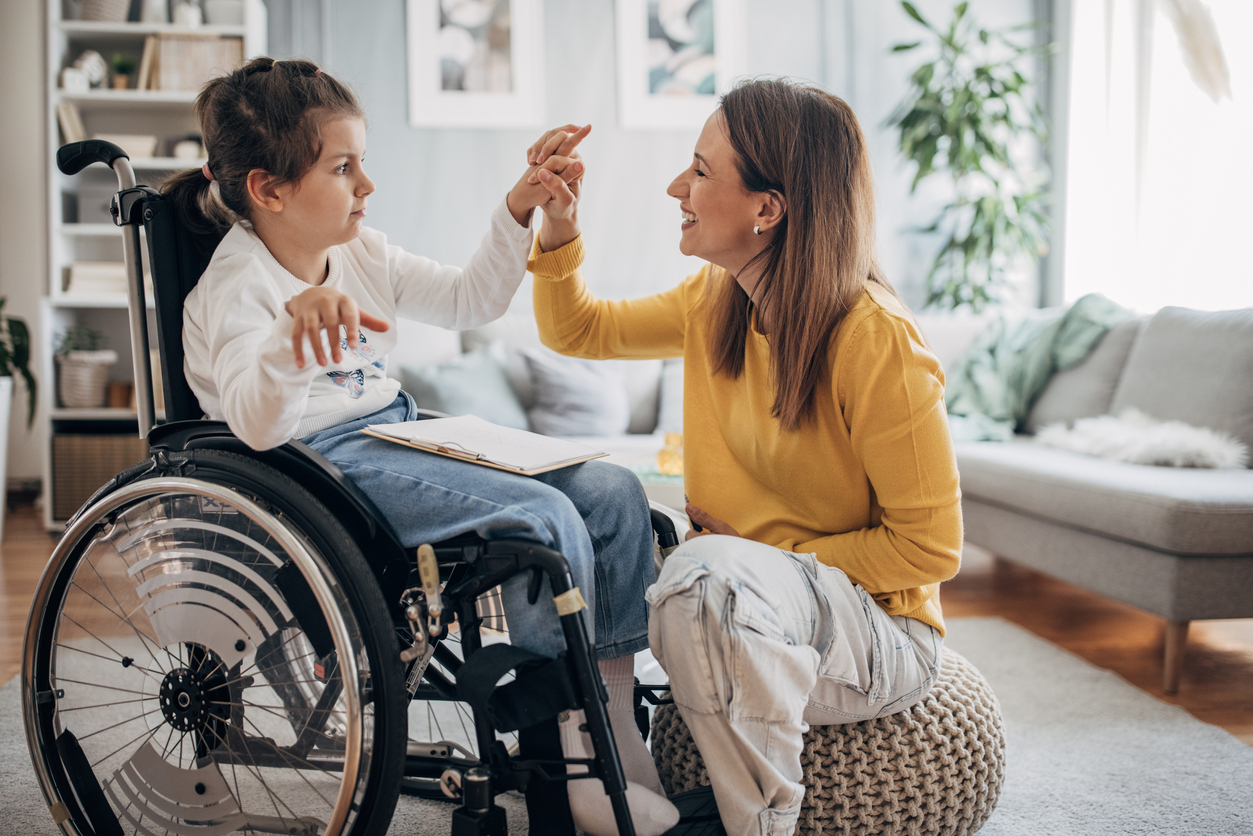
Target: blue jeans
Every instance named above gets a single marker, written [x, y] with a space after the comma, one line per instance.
[594, 513]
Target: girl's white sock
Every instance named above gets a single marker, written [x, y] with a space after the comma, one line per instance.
[637, 761]
[651, 812]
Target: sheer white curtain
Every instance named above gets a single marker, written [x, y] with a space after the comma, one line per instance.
[1160, 175]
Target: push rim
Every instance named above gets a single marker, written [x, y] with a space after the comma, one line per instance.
[182, 597]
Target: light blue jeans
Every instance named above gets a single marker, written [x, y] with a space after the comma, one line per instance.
[761, 643]
[594, 513]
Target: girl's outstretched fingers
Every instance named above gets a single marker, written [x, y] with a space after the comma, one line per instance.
[532, 153]
[559, 141]
[374, 323]
[570, 168]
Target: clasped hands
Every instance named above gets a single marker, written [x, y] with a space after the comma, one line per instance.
[550, 182]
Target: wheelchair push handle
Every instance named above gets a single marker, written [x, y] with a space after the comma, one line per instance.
[76, 156]
[73, 158]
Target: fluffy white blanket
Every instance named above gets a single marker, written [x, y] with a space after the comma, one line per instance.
[1137, 438]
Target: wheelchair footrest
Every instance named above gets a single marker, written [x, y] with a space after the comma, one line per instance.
[698, 814]
[542, 689]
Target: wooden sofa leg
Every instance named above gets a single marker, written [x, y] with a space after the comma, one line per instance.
[1176, 642]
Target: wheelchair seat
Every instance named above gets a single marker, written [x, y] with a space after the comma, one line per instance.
[230, 641]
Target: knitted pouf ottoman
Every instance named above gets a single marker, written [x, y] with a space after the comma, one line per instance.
[933, 769]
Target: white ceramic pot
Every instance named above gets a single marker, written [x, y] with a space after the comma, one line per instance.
[224, 12]
[84, 378]
[111, 10]
[6, 398]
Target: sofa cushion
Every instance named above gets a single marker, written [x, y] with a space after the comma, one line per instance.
[467, 384]
[575, 397]
[1169, 509]
[508, 336]
[670, 401]
[1086, 388]
[1195, 367]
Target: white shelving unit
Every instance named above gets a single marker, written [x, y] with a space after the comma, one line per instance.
[166, 114]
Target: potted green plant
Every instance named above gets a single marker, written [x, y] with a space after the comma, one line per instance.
[969, 116]
[83, 367]
[122, 69]
[15, 359]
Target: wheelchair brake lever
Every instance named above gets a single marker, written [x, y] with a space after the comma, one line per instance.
[428, 571]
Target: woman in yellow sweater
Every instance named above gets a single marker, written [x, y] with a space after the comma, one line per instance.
[817, 456]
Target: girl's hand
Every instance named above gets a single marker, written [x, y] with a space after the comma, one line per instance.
[320, 308]
[710, 523]
[550, 180]
[557, 142]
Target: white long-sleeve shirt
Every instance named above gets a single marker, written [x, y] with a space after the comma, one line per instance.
[237, 334]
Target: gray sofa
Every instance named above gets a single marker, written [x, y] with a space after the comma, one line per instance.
[1177, 542]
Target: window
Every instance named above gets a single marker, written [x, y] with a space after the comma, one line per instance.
[1160, 176]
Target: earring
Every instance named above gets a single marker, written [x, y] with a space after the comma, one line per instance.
[757, 230]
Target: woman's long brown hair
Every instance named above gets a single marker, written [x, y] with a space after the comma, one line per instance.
[806, 145]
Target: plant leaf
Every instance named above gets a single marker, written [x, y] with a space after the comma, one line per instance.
[912, 12]
[906, 47]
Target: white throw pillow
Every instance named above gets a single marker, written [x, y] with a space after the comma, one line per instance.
[576, 397]
[1134, 437]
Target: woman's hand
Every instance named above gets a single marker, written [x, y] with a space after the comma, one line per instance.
[321, 308]
[550, 181]
[710, 523]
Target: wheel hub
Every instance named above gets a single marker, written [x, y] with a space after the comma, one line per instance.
[185, 700]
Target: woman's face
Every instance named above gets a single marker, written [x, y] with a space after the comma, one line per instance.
[718, 212]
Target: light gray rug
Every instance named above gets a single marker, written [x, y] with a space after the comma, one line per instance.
[1088, 754]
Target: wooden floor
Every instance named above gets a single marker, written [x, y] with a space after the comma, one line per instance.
[1217, 684]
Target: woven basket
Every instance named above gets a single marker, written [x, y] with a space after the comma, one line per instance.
[933, 769]
[84, 378]
[111, 10]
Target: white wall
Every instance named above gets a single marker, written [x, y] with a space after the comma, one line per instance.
[437, 187]
[23, 204]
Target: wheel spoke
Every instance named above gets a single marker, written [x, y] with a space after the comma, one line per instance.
[287, 756]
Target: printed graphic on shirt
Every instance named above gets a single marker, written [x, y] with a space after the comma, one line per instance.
[364, 350]
[353, 381]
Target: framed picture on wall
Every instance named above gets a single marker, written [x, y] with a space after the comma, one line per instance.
[675, 57]
[475, 63]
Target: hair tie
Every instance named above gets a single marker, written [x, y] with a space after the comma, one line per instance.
[317, 72]
[208, 175]
[273, 63]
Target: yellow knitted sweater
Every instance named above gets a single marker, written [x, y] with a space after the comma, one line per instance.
[870, 485]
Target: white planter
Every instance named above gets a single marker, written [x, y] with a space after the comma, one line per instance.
[108, 10]
[6, 398]
[84, 378]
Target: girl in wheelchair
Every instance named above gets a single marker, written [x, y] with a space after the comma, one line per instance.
[287, 335]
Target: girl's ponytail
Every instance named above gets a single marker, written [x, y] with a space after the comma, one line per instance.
[198, 208]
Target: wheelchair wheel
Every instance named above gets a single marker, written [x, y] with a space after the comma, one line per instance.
[210, 655]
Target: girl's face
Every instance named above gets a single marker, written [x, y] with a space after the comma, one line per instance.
[718, 212]
[327, 205]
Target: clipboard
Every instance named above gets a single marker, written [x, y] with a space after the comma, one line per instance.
[472, 439]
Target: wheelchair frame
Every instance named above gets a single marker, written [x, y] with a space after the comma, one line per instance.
[412, 586]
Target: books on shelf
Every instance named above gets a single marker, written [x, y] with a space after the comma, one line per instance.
[96, 277]
[471, 439]
[103, 277]
[186, 61]
[71, 122]
[144, 79]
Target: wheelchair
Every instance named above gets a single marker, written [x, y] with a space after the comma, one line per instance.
[231, 641]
